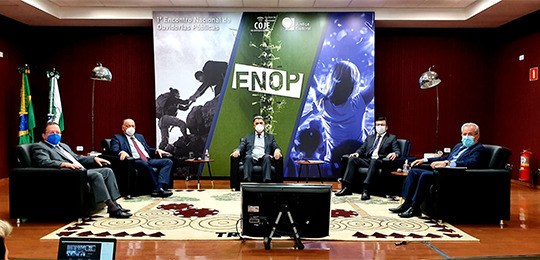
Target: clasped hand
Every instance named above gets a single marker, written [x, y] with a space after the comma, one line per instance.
[101, 161]
[391, 156]
[123, 154]
[70, 166]
[436, 164]
[160, 153]
[277, 154]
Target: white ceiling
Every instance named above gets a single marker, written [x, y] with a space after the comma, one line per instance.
[388, 13]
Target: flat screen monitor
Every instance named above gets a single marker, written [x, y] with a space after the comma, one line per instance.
[308, 204]
[77, 248]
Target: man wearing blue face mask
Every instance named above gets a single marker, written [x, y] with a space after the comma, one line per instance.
[468, 154]
[51, 153]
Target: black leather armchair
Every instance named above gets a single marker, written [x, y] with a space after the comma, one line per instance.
[47, 193]
[472, 195]
[131, 182]
[386, 184]
[237, 172]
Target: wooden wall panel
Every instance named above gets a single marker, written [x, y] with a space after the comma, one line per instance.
[10, 86]
[482, 82]
[460, 58]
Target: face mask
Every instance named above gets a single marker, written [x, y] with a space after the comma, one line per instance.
[380, 129]
[259, 128]
[130, 131]
[467, 140]
[54, 139]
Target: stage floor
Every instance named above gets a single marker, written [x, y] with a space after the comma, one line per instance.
[515, 238]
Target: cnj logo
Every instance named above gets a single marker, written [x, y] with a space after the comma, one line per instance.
[267, 81]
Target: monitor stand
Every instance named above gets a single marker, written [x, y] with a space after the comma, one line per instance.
[297, 242]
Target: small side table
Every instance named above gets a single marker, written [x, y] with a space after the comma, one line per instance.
[197, 162]
[400, 173]
[307, 163]
[398, 183]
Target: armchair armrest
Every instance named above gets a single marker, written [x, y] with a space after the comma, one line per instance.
[53, 175]
[485, 191]
[424, 166]
[120, 167]
[278, 164]
[124, 172]
[234, 168]
[164, 156]
[35, 191]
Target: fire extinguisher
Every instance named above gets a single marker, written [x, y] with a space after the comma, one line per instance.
[524, 166]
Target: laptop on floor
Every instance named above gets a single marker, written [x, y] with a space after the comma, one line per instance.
[86, 248]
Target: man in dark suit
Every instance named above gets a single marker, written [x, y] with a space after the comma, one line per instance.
[133, 145]
[51, 153]
[377, 146]
[260, 148]
[468, 154]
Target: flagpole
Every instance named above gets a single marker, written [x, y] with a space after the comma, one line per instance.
[51, 95]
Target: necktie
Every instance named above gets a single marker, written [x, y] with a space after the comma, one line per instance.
[139, 151]
[259, 135]
[374, 145]
[457, 153]
[68, 155]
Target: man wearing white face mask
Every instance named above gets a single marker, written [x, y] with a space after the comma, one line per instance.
[133, 145]
[376, 147]
[259, 148]
[468, 154]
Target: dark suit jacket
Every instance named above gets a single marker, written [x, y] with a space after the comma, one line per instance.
[46, 156]
[120, 143]
[247, 144]
[471, 158]
[389, 144]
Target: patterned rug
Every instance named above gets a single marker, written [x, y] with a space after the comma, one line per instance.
[214, 214]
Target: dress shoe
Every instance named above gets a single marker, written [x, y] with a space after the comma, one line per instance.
[119, 214]
[399, 209]
[161, 193]
[122, 209]
[365, 195]
[411, 212]
[344, 192]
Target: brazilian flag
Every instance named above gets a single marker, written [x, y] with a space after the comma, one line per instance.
[26, 112]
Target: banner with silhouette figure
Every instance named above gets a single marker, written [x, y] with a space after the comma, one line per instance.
[310, 75]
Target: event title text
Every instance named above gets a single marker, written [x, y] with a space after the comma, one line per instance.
[195, 23]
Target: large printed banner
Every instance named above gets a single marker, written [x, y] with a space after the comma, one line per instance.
[310, 75]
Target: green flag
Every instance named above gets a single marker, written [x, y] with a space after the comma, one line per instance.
[26, 112]
[55, 105]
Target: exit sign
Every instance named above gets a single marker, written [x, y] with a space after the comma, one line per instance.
[533, 74]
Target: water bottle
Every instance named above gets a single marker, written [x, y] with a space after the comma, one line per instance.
[406, 166]
[206, 155]
[301, 156]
